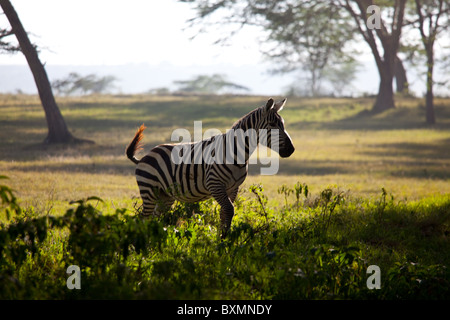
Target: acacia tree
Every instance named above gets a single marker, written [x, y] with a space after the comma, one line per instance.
[429, 14]
[84, 84]
[401, 80]
[375, 32]
[298, 35]
[5, 45]
[305, 39]
[206, 84]
[57, 128]
[383, 40]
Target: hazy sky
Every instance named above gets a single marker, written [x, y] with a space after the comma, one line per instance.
[151, 32]
[117, 32]
[139, 32]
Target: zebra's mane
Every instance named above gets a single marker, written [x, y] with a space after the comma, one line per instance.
[245, 121]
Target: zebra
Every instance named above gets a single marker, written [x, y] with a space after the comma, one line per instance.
[161, 180]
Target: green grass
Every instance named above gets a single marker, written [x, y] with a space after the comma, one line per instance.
[317, 246]
[378, 195]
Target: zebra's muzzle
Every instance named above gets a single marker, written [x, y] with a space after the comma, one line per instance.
[286, 151]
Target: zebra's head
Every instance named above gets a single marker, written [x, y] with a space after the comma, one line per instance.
[274, 124]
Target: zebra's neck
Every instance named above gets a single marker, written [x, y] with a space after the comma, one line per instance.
[236, 148]
[249, 121]
[246, 136]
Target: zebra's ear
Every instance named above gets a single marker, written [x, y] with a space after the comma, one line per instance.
[269, 105]
[279, 105]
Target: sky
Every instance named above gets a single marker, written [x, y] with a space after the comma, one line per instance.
[151, 35]
[108, 32]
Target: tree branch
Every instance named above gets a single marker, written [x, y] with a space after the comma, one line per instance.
[367, 34]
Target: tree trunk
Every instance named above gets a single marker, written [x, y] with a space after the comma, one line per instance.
[385, 97]
[57, 129]
[390, 43]
[430, 117]
[400, 77]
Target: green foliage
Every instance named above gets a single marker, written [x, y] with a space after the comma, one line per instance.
[8, 199]
[412, 280]
[262, 199]
[6, 46]
[316, 247]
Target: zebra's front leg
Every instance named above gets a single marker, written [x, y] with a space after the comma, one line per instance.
[232, 195]
[226, 209]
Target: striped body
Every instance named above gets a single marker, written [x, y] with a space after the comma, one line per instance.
[162, 180]
[156, 173]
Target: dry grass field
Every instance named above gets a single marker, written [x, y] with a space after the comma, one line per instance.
[337, 144]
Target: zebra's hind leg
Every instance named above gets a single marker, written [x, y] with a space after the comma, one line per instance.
[155, 202]
[148, 204]
[149, 197]
[163, 204]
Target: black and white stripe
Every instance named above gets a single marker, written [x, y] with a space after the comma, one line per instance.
[161, 180]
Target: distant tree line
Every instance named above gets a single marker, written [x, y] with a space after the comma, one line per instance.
[77, 84]
[203, 84]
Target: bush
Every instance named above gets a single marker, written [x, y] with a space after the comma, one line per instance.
[317, 247]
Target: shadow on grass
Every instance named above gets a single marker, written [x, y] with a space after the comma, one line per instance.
[439, 150]
[308, 168]
[116, 168]
[423, 160]
[400, 118]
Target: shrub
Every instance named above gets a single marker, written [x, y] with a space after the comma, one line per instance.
[318, 249]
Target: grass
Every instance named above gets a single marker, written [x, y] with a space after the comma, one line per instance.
[378, 194]
[317, 246]
[336, 141]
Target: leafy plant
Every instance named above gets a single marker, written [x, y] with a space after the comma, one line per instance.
[408, 280]
[299, 189]
[9, 200]
[286, 191]
[267, 254]
[257, 190]
[329, 203]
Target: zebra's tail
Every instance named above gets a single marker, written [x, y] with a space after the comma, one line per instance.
[135, 144]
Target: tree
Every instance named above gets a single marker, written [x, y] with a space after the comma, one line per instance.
[103, 84]
[90, 83]
[429, 12]
[57, 128]
[208, 84]
[66, 85]
[340, 76]
[5, 45]
[401, 80]
[299, 35]
[385, 35]
[305, 39]
[373, 28]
